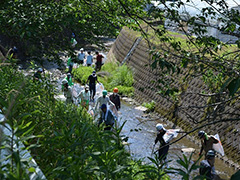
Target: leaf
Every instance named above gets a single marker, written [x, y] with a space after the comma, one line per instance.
[233, 86]
[31, 169]
[236, 176]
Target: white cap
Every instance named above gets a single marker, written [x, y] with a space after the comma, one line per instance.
[86, 87]
[68, 74]
[40, 69]
[159, 127]
[81, 49]
[64, 81]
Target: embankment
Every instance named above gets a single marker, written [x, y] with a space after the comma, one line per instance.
[146, 87]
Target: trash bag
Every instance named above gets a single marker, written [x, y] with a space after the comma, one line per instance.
[218, 147]
[99, 88]
[170, 134]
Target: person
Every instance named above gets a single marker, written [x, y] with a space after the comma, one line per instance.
[207, 142]
[70, 64]
[84, 97]
[104, 99]
[81, 56]
[92, 84]
[107, 116]
[99, 58]
[37, 75]
[73, 40]
[164, 147]
[207, 168]
[67, 91]
[69, 79]
[115, 98]
[89, 59]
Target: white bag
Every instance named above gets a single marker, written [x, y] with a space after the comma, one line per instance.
[218, 147]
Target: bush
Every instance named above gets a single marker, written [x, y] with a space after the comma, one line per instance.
[122, 76]
[81, 74]
[150, 106]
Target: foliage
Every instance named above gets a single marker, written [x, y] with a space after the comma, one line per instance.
[236, 175]
[81, 73]
[187, 167]
[113, 76]
[45, 27]
[156, 171]
[120, 77]
[151, 106]
[63, 139]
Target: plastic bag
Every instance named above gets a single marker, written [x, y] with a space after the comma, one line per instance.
[99, 88]
[218, 147]
[170, 134]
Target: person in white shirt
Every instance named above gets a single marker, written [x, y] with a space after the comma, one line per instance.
[89, 59]
[81, 56]
[84, 97]
[67, 91]
[104, 99]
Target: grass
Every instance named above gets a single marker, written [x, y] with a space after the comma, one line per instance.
[111, 76]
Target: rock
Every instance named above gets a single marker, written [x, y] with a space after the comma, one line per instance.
[188, 150]
[141, 108]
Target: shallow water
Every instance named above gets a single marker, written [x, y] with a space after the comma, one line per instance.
[141, 132]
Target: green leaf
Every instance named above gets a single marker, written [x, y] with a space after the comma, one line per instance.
[236, 176]
[31, 169]
[233, 86]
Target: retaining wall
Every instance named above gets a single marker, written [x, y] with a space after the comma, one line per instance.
[146, 90]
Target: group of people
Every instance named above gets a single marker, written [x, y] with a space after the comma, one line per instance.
[82, 59]
[87, 95]
[207, 167]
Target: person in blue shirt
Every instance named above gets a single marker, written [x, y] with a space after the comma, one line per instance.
[81, 56]
[108, 117]
[89, 59]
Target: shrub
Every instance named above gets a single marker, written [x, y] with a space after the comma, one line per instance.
[150, 106]
[122, 76]
[81, 74]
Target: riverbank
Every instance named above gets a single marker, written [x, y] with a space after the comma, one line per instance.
[186, 115]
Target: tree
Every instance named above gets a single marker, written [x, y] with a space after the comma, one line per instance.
[45, 27]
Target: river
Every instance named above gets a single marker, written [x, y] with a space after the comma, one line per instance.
[140, 128]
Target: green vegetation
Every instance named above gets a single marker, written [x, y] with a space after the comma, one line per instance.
[81, 74]
[111, 76]
[151, 106]
[62, 139]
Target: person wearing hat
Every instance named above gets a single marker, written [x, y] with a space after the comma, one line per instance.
[67, 91]
[84, 97]
[164, 147]
[107, 116]
[37, 75]
[81, 56]
[207, 142]
[207, 169]
[92, 79]
[114, 97]
[104, 99]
